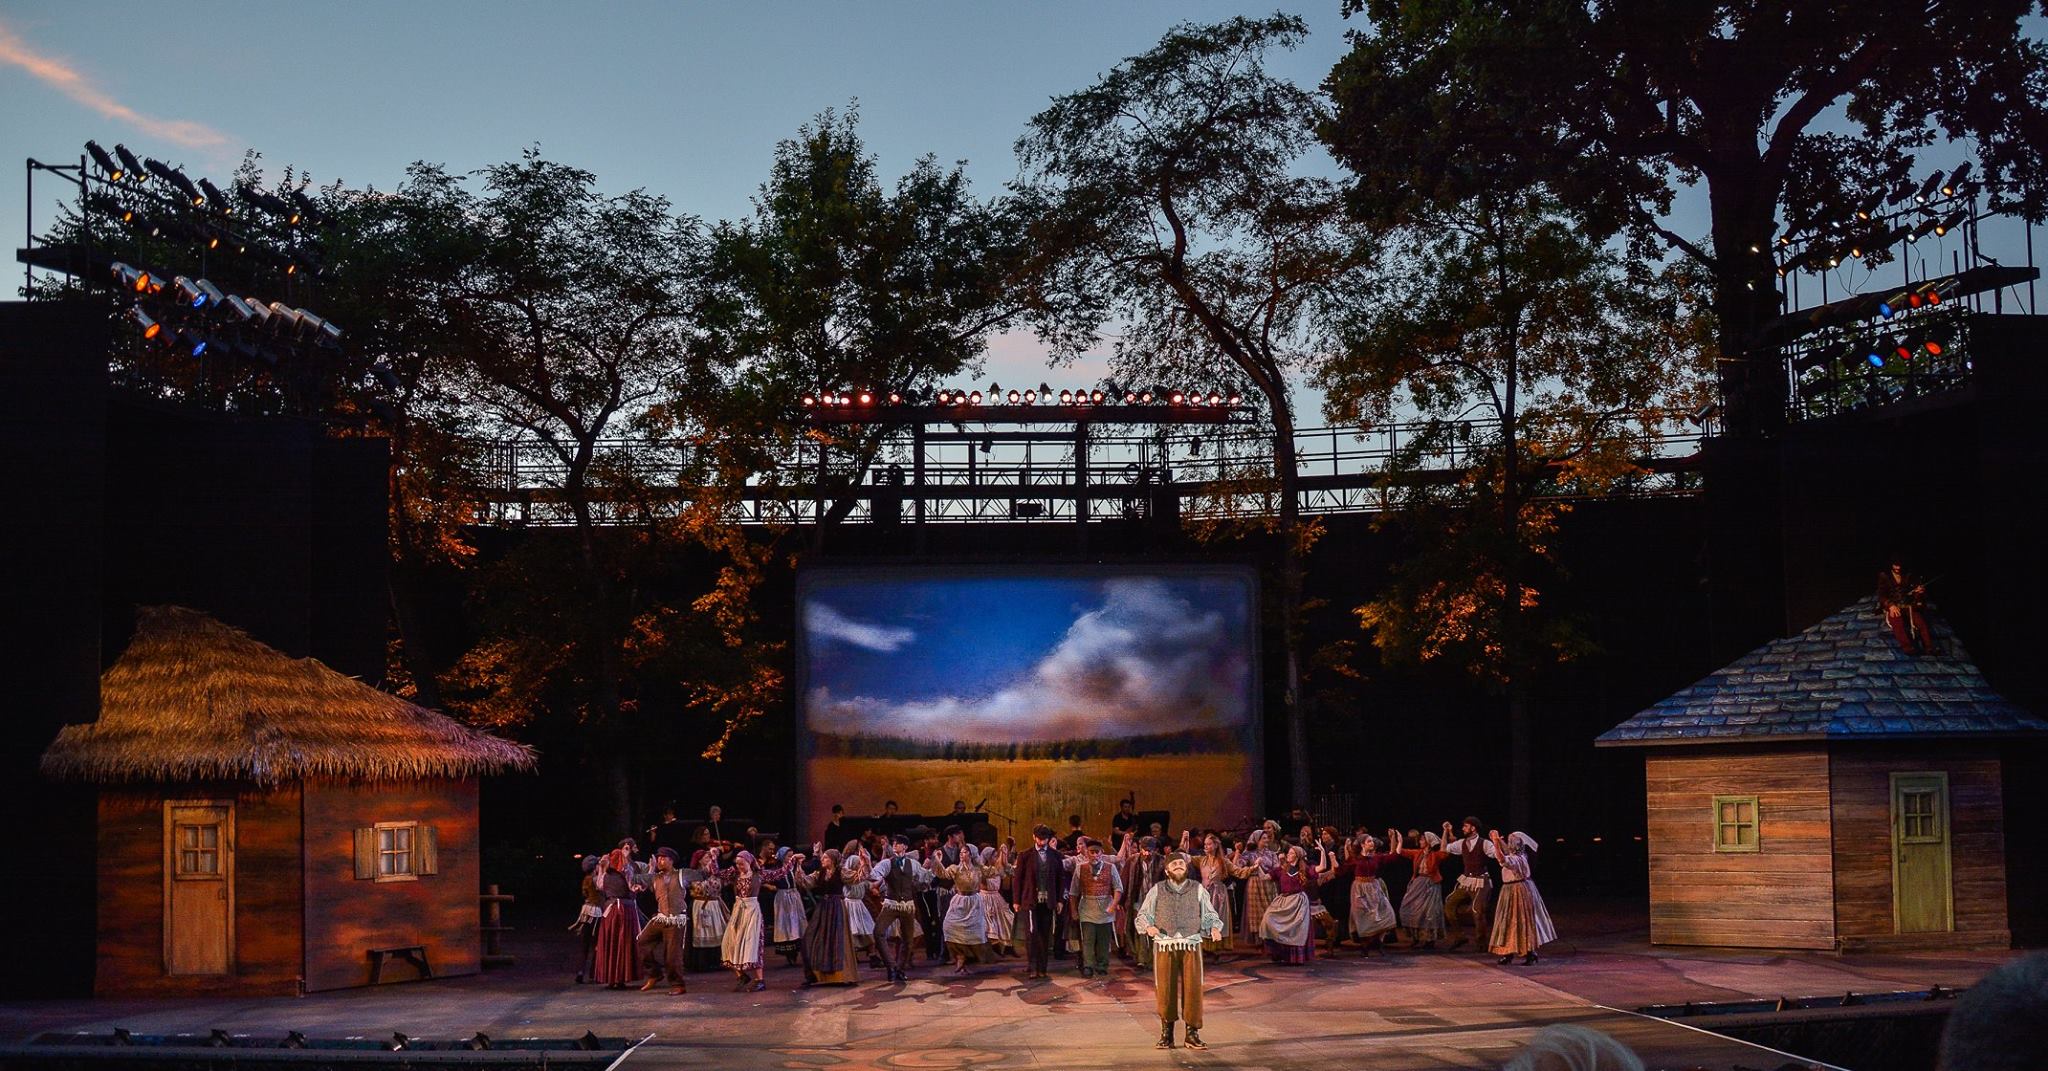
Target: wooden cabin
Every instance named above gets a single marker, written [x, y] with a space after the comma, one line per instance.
[268, 825]
[1830, 791]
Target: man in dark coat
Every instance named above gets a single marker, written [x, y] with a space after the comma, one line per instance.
[1041, 885]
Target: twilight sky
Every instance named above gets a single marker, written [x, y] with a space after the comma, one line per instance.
[1047, 657]
[685, 99]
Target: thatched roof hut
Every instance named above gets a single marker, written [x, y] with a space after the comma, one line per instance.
[193, 699]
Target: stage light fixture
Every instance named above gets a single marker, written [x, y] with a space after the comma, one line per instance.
[1030, 397]
[1015, 396]
[260, 312]
[1955, 179]
[282, 318]
[1130, 397]
[1176, 398]
[212, 292]
[188, 291]
[150, 328]
[1236, 398]
[807, 401]
[107, 165]
[1045, 392]
[241, 309]
[192, 343]
[1145, 396]
[216, 197]
[895, 398]
[1951, 221]
[1927, 188]
[1215, 397]
[1066, 397]
[974, 397]
[1895, 304]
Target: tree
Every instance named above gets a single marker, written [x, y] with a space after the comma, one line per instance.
[1565, 352]
[838, 283]
[1610, 104]
[557, 314]
[1168, 198]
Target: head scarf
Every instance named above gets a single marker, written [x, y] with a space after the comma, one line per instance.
[744, 856]
[1527, 842]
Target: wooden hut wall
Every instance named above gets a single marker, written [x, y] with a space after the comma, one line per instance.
[347, 916]
[265, 957]
[1780, 896]
[1861, 785]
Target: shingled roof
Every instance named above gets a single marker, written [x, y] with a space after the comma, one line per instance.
[194, 699]
[1844, 678]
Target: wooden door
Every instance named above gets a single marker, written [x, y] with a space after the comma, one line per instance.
[1922, 895]
[199, 886]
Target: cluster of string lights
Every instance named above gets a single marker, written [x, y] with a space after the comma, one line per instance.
[1043, 395]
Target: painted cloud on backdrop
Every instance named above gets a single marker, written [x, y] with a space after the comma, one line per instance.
[1146, 661]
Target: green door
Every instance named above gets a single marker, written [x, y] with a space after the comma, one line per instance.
[1922, 898]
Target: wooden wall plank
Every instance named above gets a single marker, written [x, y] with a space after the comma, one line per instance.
[1780, 896]
[345, 917]
[1861, 779]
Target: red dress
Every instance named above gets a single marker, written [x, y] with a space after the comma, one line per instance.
[616, 962]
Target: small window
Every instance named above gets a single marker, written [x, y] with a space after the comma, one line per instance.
[198, 847]
[396, 851]
[1735, 824]
[1920, 815]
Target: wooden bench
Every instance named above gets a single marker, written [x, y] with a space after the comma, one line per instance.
[413, 954]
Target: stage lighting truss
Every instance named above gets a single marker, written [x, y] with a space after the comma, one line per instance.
[196, 317]
[154, 201]
[1879, 222]
[1867, 366]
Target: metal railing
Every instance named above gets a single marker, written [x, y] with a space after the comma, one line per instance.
[1054, 474]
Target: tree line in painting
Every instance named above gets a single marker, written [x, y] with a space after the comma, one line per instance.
[1185, 742]
[1500, 243]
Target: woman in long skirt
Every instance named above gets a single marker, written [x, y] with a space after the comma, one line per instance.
[1521, 924]
[788, 915]
[617, 963]
[1216, 871]
[995, 907]
[1422, 906]
[588, 918]
[707, 923]
[860, 922]
[828, 947]
[1259, 855]
[740, 952]
[1372, 914]
[965, 926]
[1286, 927]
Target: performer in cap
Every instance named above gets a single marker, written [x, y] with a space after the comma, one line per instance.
[1175, 915]
[667, 928]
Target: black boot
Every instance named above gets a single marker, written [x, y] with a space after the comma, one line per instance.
[1165, 1036]
[1195, 1039]
[1529, 960]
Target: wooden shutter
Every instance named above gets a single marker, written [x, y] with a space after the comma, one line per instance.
[426, 846]
[366, 853]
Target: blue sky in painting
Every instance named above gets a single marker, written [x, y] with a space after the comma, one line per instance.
[1033, 658]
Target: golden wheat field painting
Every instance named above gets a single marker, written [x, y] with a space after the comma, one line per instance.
[1045, 692]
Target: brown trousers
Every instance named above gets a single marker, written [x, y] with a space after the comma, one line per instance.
[670, 939]
[1477, 902]
[1178, 978]
[905, 923]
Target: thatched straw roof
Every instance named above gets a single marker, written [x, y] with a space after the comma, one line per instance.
[194, 699]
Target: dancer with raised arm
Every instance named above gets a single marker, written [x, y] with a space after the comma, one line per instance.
[1259, 853]
[1372, 913]
[900, 878]
[617, 964]
[1176, 917]
[740, 952]
[1422, 906]
[829, 952]
[669, 927]
[1473, 894]
[1287, 927]
[965, 926]
[1521, 924]
[1216, 872]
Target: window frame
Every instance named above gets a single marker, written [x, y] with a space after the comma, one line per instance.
[411, 851]
[1754, 825]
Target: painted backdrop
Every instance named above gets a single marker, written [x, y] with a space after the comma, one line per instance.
[1047, 691]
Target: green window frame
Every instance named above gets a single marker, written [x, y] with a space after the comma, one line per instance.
[1736, 820]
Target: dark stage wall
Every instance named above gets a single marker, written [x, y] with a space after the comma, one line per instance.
[268, 524]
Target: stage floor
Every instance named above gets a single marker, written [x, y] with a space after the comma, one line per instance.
[1422, 1010]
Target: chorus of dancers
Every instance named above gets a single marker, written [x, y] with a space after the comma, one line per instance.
[1151, 902]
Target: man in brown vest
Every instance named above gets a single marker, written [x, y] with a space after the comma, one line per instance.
[1176, 914]
[667, 927]
[1475, 884]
